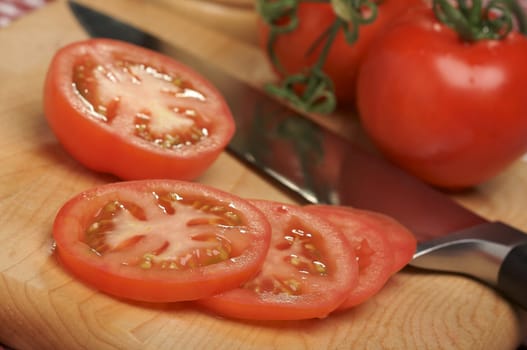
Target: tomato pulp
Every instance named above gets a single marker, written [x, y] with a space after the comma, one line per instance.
[451, 112]
[161, 240]
[402, 242]
[374, 253]
[125, 110]
[308, 272]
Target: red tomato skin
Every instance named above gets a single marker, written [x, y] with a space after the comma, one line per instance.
[154, 285]
[107, 150]
[243, 303]
[343, 59]
[450, 112]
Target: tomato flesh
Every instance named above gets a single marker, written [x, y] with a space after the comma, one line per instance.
[180, 245]
[308, 272]
[135, 113]
[161, 240]
[374, 255]
[402, 242]
[158, 118]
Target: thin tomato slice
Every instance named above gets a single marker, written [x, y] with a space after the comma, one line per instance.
[374, 254]
[135, 113]
[309, 270]
[161, 240]
[402, 242]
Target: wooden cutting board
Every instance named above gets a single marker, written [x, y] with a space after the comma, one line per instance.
[43, 307]
[236, 18]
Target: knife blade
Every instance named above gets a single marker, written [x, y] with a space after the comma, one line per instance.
[319, 166]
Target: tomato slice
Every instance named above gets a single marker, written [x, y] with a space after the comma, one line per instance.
[161, 240]
[374, 254]
[402, 242]
[309, 270]
[135, 113]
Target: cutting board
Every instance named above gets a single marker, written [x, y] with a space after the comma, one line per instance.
[43, 307]
[235, 18]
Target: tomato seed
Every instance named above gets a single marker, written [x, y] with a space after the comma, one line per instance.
[293, 286]
[146, 264]
[320, 267]
[310, 247]
[294, 260]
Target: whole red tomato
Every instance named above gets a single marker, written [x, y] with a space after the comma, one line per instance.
[293, 49]
[452, 112]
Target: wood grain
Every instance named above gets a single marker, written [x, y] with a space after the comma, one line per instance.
[43, 307]
[235, 18]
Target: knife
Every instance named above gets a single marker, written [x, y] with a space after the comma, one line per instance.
[319, 166]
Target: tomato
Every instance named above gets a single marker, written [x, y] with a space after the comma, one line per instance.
[343, 59]
[402, 242]
[132, 112]
[160, 240]
[451, 112]
[308, 272]
[374, 253]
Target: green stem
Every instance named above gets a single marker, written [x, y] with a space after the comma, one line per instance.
[313, 84]
[519, 14]
[318, 89]
[332, 33]
[455, 18]
[320, 39]
[473, 21]
[475, 13]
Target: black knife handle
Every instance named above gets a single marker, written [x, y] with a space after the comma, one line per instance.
[493, 252]
[512, 278]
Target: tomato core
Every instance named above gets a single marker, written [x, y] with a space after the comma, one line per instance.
[161, 118]
[121, 226]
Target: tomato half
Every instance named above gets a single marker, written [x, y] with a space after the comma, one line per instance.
[125, 110]
[308, 272]
[451, 112]
[374, 254]
[161, 240]
[293, 49]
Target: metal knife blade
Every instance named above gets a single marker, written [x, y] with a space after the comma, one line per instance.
[321, 167]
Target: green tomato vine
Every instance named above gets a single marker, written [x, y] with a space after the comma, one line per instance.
[470, 18]
[318, 94]
[474, 21]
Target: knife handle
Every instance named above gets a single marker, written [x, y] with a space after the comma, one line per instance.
[493, 252]
[512, 278]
